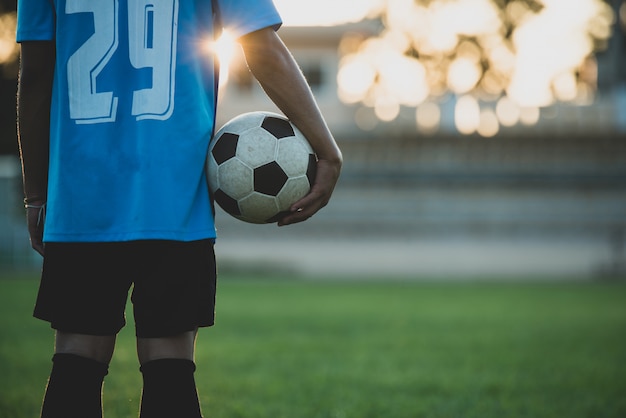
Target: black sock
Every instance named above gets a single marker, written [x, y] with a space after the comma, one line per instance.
[169, 389]
[75, 388]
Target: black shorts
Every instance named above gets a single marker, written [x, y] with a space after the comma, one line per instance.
[84, 287]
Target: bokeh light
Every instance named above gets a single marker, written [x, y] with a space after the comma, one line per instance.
[8, 48]
[488, 125]
[508, 112]
[502, 61]
[428, 117]
[467, 115]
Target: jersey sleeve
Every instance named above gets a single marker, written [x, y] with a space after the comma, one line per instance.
[241, 17]
[35, 20]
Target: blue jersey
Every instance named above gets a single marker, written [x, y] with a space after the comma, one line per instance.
[132, 113]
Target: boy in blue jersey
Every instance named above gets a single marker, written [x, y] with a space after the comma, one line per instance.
[115, 112]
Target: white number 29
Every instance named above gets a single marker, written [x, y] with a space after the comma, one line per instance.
[152, 27]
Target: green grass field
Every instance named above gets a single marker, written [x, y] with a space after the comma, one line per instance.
[338, 349]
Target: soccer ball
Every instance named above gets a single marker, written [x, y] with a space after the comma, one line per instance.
[258, 165]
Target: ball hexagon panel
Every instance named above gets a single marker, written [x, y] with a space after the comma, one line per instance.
[235, 178]
[212, 169]
[258, 208]
[244, 122]
[293, 155]
[294, 189]
[256, 147]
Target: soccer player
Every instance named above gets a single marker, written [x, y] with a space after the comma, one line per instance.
[116, 106]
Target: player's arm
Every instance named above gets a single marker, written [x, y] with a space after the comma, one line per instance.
[34, 95]
[273, 66]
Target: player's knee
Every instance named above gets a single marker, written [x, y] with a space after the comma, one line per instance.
[96, 347]
[179, 346]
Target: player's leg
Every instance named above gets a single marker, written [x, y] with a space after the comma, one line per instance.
[80, 363]
[84, 301]
[172, 298]
[168, 367]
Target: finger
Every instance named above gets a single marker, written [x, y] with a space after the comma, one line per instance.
[306, 202]
[303, 210]
[294, 218]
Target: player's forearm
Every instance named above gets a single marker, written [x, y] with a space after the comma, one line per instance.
[34, 94]
[279, 75]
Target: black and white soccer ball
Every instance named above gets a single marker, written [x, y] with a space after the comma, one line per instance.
[258, 165]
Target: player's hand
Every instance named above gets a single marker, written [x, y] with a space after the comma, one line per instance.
[325, 180]
[35, 216]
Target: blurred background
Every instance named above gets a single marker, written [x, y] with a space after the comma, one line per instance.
[481, 138]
